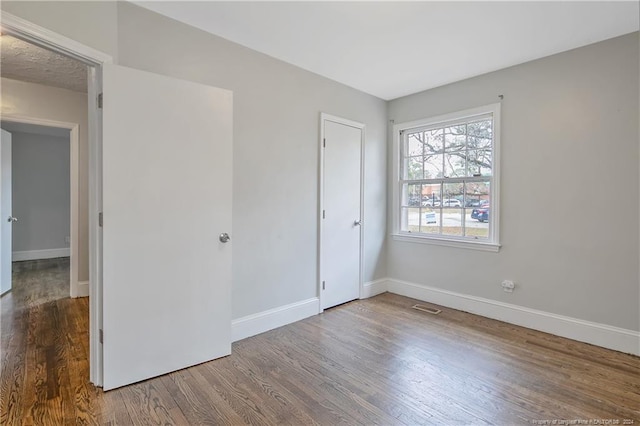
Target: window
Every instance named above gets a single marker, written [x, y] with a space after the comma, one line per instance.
[447, 179]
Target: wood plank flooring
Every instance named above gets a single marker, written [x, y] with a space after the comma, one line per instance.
[374, 361]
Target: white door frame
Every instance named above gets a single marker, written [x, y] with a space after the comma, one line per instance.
[75, 289]
[25, 30]
[324, 117]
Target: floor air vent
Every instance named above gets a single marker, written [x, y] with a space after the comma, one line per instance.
[426, 309]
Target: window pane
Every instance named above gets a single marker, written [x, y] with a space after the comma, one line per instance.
[431, 195]
[413, 168]
[478, 213]
[415, 142]
[454, 164]
[430, 220]
[475, 142]
[433, 141]
[433, 166]
[481, 128]
[477, 223]
[452, 219]
[476, 194]
[411, 195]
[479, 162]
[410, 219]
[453, 194]
[455, 138]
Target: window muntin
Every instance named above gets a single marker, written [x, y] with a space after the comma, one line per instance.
[446, 178]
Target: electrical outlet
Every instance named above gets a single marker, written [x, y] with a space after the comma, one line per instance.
[508, 286]
[67, 240]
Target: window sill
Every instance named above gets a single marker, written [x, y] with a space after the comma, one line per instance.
[473, 245]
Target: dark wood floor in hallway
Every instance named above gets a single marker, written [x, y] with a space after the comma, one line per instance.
[374, 361]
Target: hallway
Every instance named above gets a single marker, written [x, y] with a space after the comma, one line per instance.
[27, 275]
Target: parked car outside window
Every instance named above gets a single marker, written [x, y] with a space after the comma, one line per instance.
[476, 203]
[481, 215]
[431, 203]
[414, 201]
[451, 202]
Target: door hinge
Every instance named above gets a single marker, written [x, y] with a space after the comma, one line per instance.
[324, 142]
[101, 336]
[100, 100]
[100, 220]
[323, 215]
[323, 283]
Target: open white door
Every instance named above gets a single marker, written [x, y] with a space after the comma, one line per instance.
[167, 169]
[6, 218]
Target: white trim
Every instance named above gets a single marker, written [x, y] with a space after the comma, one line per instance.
[95, 231]
[497, 167]
[19, 256]
[74, 200]
[493, 242]
[323, 118]
[374, 288]
[40, 36]
[83, 289]
[462, 115]
[251, 325]
[74, 216]
[320, 209]
[603, 335]
[447, 242]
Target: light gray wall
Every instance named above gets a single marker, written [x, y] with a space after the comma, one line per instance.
[275, 154]
[92, 23]
[276, 125]
[40, 191]
[569, 186]
[565, 256]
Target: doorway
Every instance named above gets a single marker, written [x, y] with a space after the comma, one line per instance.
[151, 224]
[341, 210]
[82, 120]
[41, 178]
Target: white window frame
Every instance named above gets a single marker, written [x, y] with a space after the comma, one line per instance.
[492, 243]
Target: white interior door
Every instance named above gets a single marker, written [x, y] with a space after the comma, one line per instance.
[341, 230]
[167, 168]
[6, 218]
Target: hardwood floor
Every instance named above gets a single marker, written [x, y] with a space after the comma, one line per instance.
[374, 361]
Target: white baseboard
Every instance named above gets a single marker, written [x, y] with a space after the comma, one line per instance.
[603, 335]
[607, 336]
[373, 288]
[40, 254]
[81, 289]
[251, 325]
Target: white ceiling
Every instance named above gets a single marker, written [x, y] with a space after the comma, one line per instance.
[391, 49]
[23, 61]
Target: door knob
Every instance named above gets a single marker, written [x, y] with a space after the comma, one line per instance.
[12, 219]
[224, 237]
[357, 222]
